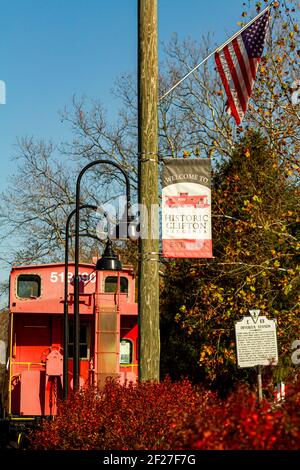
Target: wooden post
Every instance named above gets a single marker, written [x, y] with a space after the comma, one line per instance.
[149, 336]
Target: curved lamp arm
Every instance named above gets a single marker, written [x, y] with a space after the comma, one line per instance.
[76, 364]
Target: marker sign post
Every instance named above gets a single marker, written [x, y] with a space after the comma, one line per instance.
[256, 343]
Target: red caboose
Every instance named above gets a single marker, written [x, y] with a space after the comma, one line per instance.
[108, 333]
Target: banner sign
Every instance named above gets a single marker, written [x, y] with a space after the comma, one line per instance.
[186, 208]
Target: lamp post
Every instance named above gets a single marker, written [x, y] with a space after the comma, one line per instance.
[76, 371]
[66, 303]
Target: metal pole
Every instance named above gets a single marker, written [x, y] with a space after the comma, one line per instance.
[76, 363]
[66, 303]
[259, 384]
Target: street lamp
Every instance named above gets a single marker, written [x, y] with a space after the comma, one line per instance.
[66, 302]
[108, 261]
[76, 274]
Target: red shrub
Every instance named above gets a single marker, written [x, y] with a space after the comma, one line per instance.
[240, 423]
[170, 416]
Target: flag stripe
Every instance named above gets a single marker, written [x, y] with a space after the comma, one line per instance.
[243, 66]
[227, 89]
[247, 62]
[254, 67]
[236, 77]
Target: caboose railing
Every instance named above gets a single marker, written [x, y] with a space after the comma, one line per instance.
[29, 364]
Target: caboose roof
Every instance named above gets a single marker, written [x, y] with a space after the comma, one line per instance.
[126, 267]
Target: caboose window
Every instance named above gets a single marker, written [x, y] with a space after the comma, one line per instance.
[125, 351]
[111, 284]
[84, 350]
[28, 286]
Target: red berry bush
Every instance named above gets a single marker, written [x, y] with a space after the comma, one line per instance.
[170, 416]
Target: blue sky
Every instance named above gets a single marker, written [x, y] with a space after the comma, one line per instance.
[53, 49]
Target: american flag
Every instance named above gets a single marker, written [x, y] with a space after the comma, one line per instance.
[237, 63]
